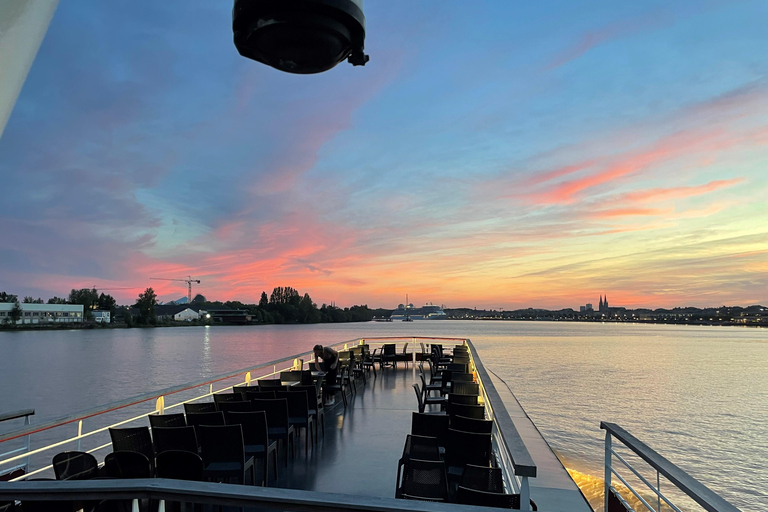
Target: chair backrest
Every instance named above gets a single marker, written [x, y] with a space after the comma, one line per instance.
[175, 438]
[221, 443]
[243, 390]
[309, 392]
[195, 419]
[462, 377]
[468, 411]
[200, 407]
[482, 478]
[240, 406]
[260, 395]
[134, 439]
[226, 397]
[290, 376]
[472, 424]
[420, 447]
[405, 348]
[127, 464]
[389, 349]
[298, 407]
[464, 388]
[254, 423]
[276, 410]
[75, 466]
[434, 425]
[466, 496]
[167, 420]
[467, 448]
[269, 384]
[419, 397]
[457, 367]
[455, 398]
[179, 465]
[424, 479]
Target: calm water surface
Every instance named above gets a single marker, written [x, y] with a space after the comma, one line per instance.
[698, 395]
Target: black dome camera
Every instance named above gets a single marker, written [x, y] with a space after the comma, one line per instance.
[300, 36]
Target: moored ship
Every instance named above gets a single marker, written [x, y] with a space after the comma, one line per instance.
[426, 312]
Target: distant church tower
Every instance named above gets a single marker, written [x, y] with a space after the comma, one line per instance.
[603, 307]
[600, 307]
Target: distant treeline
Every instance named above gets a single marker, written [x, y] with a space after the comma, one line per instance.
[285, 305]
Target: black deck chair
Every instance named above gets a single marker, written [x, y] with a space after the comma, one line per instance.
[423, 480]
[277, 421]
[475, 425]
[256, 438]
[270, 384]
[330, 389]
[312, 404]
[226, 397]
[457, 367]
[468, 411]
[464, 388]
[243, 390]
[199, 407]
[404, 357]
[134, 439]
[223, 452]
[482, 478]
[179, 465]
[298, 415]
[167, 420]
[466, 448]
[260, 395]
[75, 466]
[466, 496]
[462, 377]
[204, 418]
[420, 448]
[433, 425]
[455, 398]
[290, 376]
[127, 464]
[238, 406]
[431, 400]
[175, 438]
[427, 388]
[389, 355]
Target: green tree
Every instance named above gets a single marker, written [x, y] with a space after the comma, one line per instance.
[57, 300]
[264, 301]
[199, 299]
[31, 300]
[107, 303]
[16, 312]
[309, 314]
[8, 297]
[146, 305]
[89, 298]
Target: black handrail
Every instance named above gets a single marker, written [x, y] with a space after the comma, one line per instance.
[699, 492]
[213, 493]
[16, 414]
[521, 459]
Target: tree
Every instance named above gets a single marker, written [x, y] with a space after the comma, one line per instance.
[8, 297]
[107, 303]
[89, 298]
[308, 310]
[16, 312]
[30, 300]
[263, 302]
[57, 300]
[199, 299]
[146, 305]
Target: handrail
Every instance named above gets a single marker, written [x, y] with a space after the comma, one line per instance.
[521, 459]
[215, 494]
[697, 491]
[24, 413]
[145, 397]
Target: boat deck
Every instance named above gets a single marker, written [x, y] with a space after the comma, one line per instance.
[362, 442]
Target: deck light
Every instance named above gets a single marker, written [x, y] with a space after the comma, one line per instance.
[300, 36]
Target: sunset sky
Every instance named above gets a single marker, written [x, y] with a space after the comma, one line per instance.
[491, 154]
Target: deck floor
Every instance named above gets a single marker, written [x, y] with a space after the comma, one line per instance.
[362, 442]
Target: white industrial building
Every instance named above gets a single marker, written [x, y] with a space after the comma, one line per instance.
[42, 313]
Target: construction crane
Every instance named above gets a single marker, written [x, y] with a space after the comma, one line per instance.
[189, 282]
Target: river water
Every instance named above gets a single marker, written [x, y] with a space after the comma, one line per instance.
[697, 395]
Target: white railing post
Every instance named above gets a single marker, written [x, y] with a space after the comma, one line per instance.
[79, 435]
[247, 378]
[27, 422]
[525, 494]
[607, 476]
[160, 405]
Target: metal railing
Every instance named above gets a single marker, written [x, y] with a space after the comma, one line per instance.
[697, 491]
[511, 453]
[513, 456]
[9, 416]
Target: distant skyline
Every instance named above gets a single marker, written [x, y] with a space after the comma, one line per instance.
[490, 154]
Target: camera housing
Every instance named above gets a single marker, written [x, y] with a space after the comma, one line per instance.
[300, 36]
